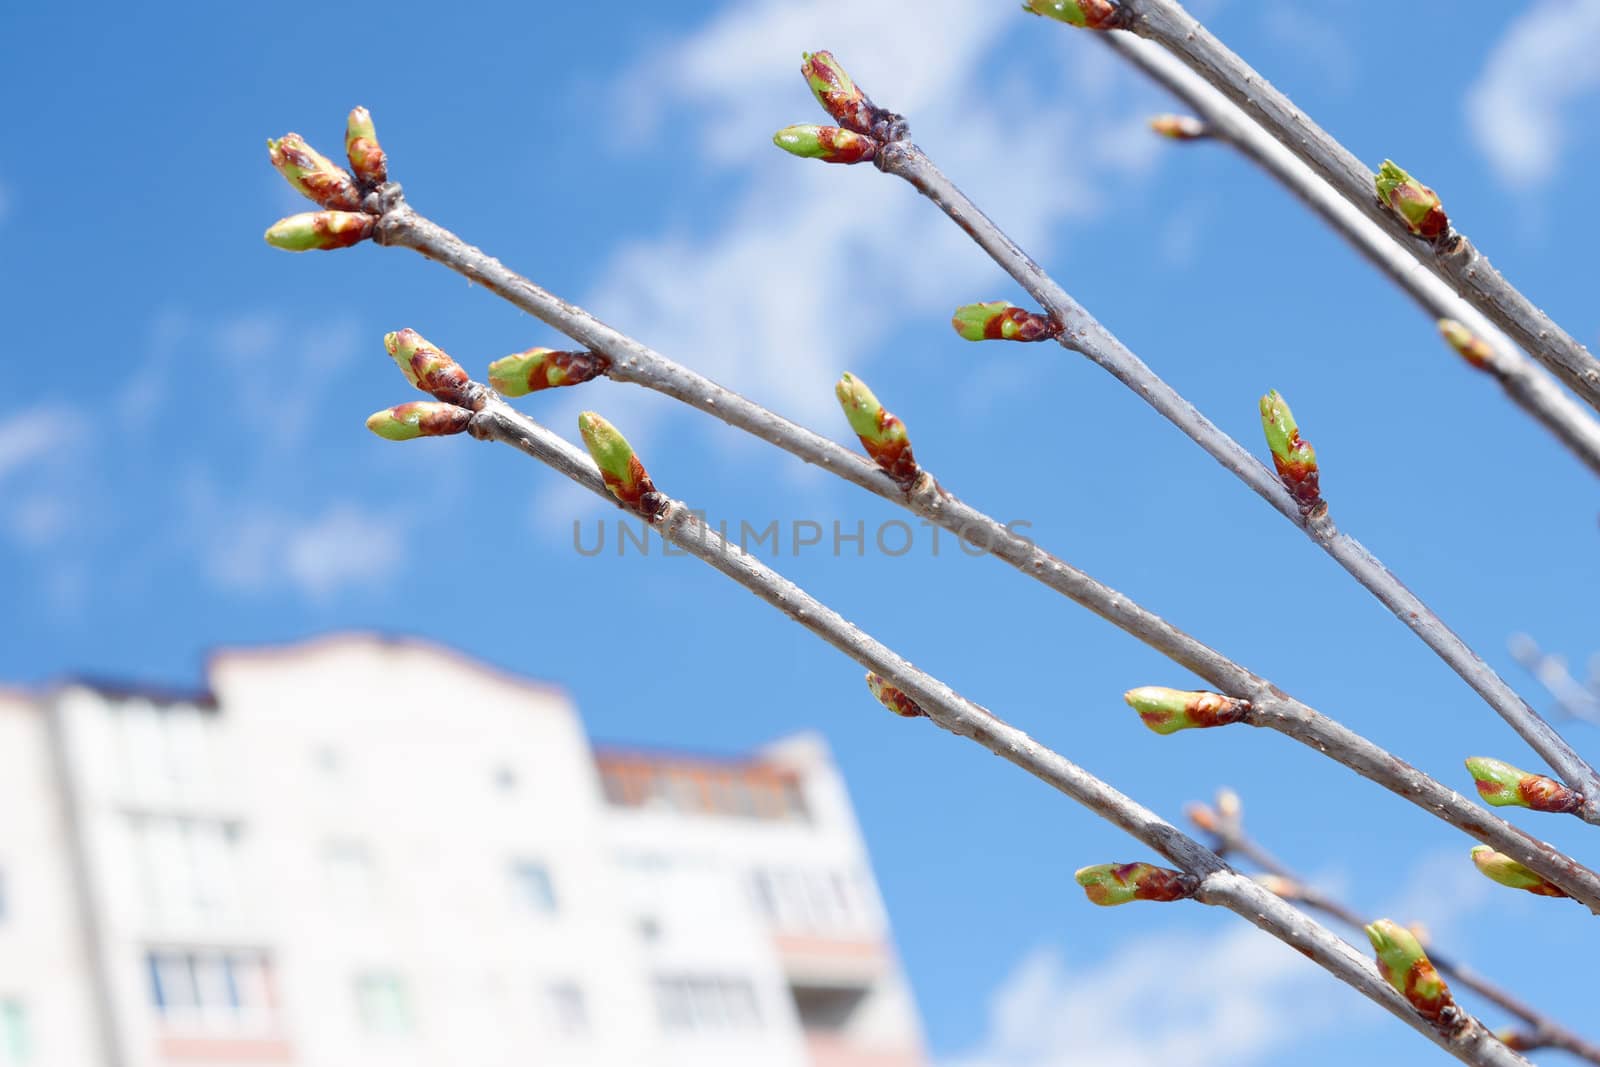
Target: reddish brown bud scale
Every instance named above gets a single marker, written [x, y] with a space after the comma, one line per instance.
[313, 174]
[541, 368]
[637, 492]
[1301, 479]
[894, 456]
[844, 146]
[1111, 884]
[1549, 795]
[893, 698]
[1029, 326]
[837, 93]
[1426, 991]
[367, 161]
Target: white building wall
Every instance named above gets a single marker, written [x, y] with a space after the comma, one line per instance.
[44, 952]
[346, 838]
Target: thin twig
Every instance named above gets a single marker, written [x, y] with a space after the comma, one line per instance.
[1528, 385]
[1468, 1040]
[634, 362]
[1229, 837]
[1083, 333]
[1452, 257]
[1573, 699]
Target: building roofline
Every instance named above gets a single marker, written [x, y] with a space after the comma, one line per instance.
[204, 695]
[310, 646]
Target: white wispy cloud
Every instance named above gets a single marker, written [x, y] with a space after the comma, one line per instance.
[342, 547]
[1148, 1005]
[42, 456]
[810, 268]
[1522, 105]
[260, 351]
[1145, 1004]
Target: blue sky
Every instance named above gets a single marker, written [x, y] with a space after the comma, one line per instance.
[183, 463]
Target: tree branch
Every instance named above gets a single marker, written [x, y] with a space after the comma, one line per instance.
[1082, 332]
[1452, 257]
[1468, 1041]
[634, 362]
[1574, 699]
[1524, 381]
[1226, 827]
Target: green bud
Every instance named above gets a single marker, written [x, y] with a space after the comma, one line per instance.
[1092, 14]
[1180, 127]
[320, 230]
[1472, 348]
[998, 320]
[1110, 884]
[831, 144]
[836, 92]
[542, 368]
[1502, 785]
[1166, 711]
[1406, 967]
[312, 174]
[1499, 867]
[882, 434]
[425, 366]
[420, 418]
[1294, 457]
[893, 698]
[367, 160]
[624, 475]
[1414, 203]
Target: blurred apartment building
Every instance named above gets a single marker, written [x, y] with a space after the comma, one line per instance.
[364, 851]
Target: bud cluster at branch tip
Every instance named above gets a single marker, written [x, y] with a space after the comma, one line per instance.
[1180, 127]
[1090, 14]
[425, 366]
[624, 475]
[321, 231]
[1499, 867]
[367, 161]
[998, 320]
[313, 175]
[1406, 967]
[527, 372]
[1414, 203]
[1110, 884]
[837, 92]
[1294, 457]
[831, 144]
[1502, 785]
[893, 698]
[882, 434]
[1472, 348]
[420, 418]
[1166, 711]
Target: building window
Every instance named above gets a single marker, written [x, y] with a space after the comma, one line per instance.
[822, 902]
[167, 748]
[533, 886]
[565, 1010]
[706, 1003]
[14, 1043]
[189, 865]
[744, 791]
[213, 991]
[384, 1004]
